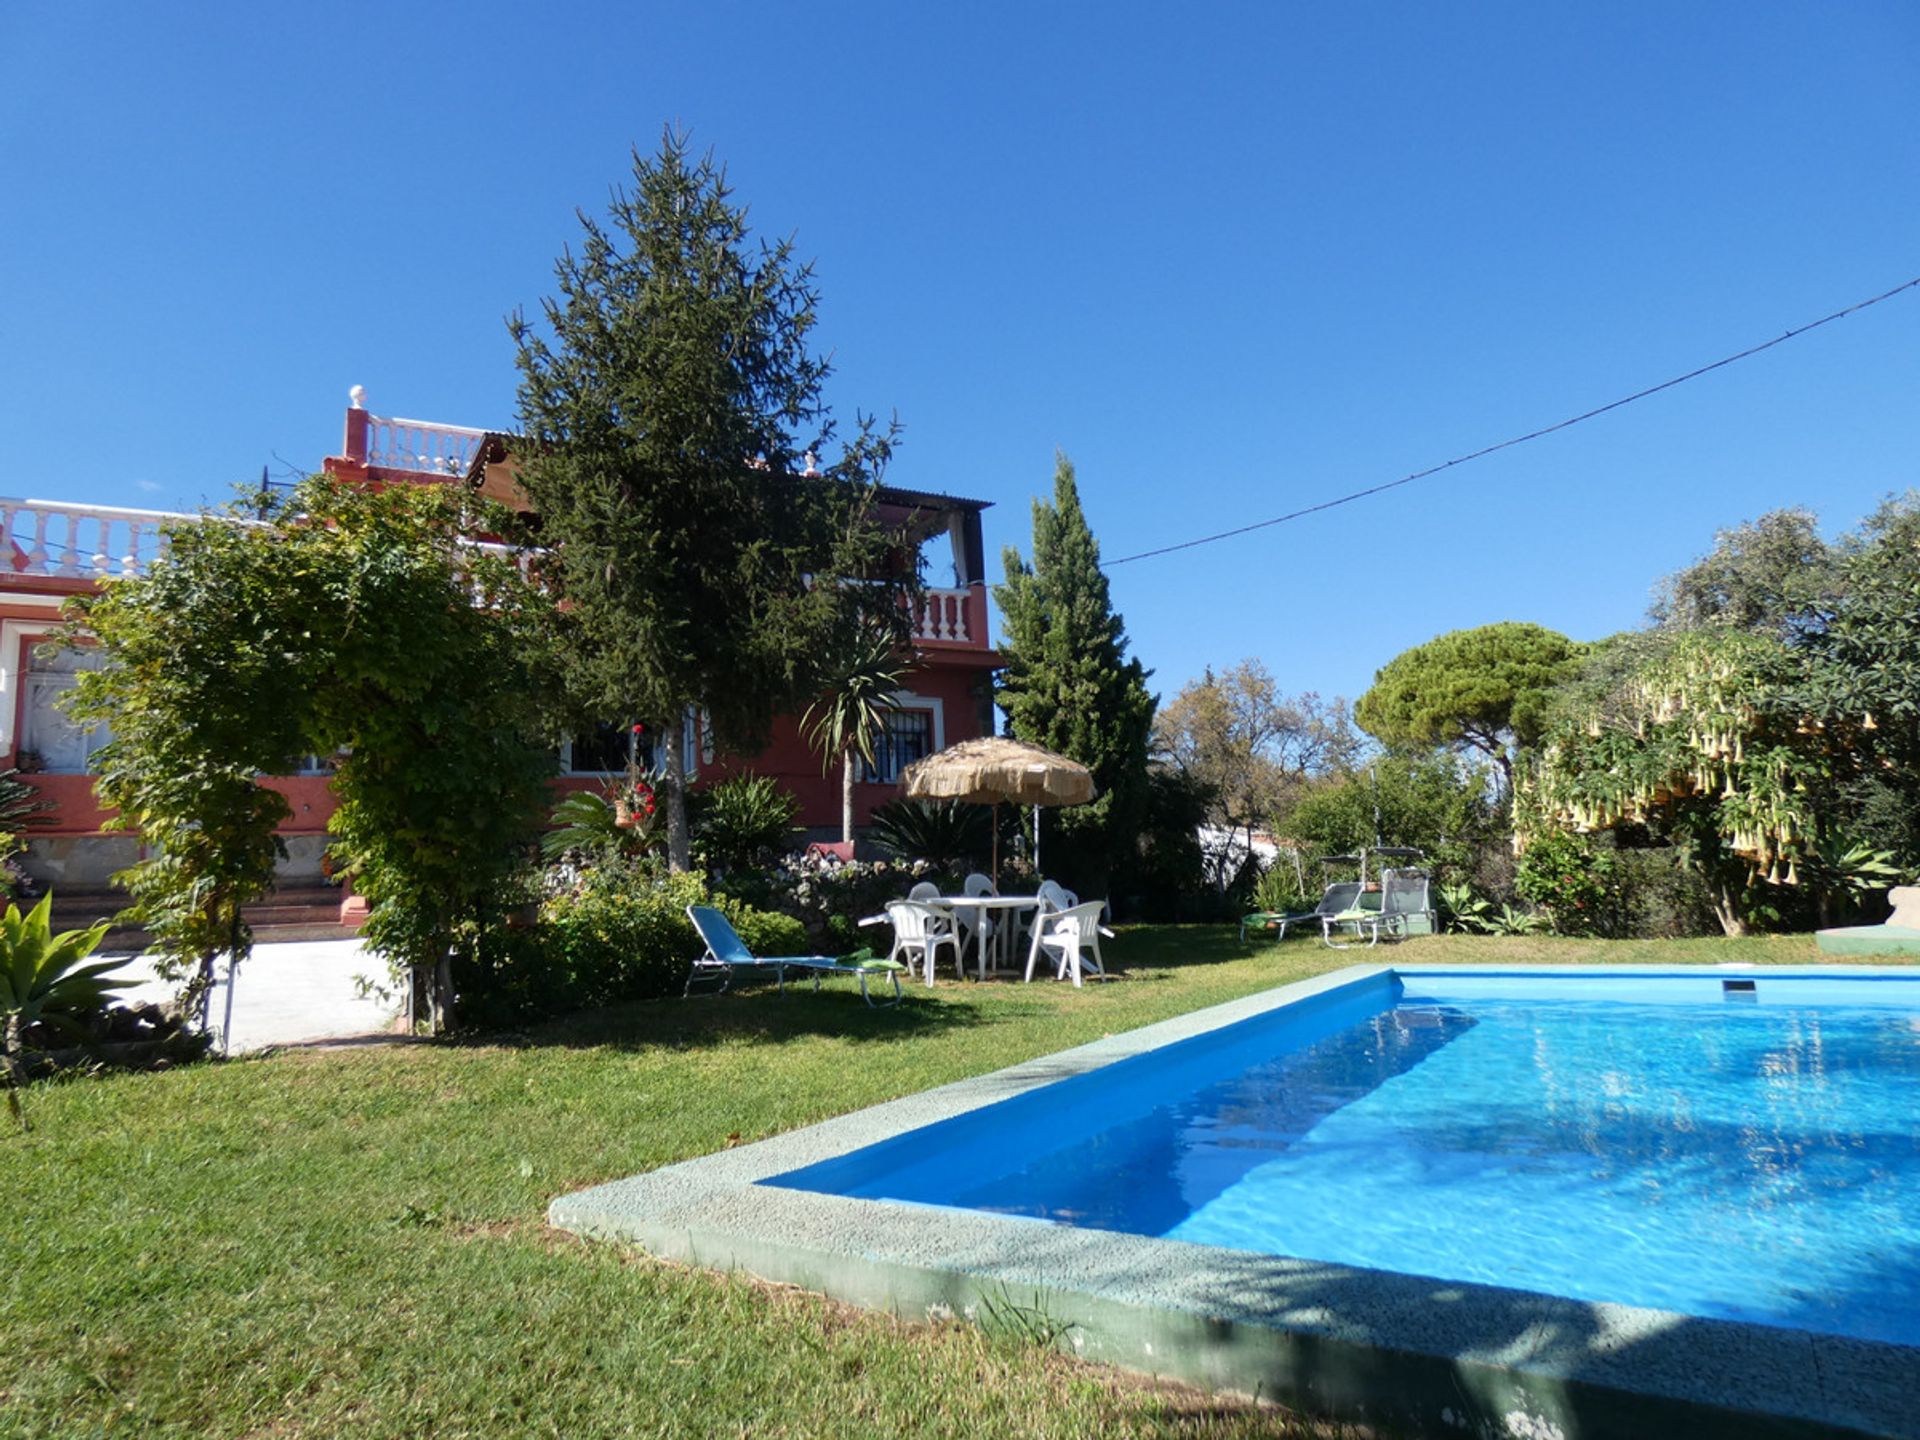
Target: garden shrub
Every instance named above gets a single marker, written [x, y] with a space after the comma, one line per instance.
[746, 820]
[1573, 881]
[1660, 896]
[829, 898]
[950, 834]
[623, 935]
[1279, 890]
[1593, 885]
[616, 935]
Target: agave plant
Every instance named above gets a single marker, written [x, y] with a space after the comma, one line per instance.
[744, 820]
[947, 834]
[44, 981]
[1847, 870]
[1464, 909]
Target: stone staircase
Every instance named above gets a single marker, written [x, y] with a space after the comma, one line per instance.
[299, 912]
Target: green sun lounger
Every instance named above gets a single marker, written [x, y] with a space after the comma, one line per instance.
[1337, 899]
[727, 955]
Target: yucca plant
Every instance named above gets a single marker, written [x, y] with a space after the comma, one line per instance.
[44, 981]
[843, 723]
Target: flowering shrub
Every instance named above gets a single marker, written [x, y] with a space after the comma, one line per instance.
[830, 897]
[1571, 880]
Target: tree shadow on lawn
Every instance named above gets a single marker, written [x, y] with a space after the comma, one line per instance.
[1139, 948]
[751, 1014]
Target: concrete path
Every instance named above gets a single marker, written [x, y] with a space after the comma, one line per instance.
[290, 992]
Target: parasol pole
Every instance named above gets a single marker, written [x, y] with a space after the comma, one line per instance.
[1036, 842]
[996, 844]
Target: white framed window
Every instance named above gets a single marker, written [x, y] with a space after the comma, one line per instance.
[602, 750]
[606, 748]
[64, 747]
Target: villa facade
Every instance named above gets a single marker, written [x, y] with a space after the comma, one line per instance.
[59, 549]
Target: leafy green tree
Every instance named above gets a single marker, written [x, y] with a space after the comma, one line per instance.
[436, 698]
[842, 723]
[1775, 741]
[1704, 742]
[211, 661]
[1774, 574]
[671, 411]
[1070, 686]
[1252, 748]
[1426, 801]
[1484, 689]
[348, 622]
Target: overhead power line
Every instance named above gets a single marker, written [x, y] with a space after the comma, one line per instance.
[1486, 450]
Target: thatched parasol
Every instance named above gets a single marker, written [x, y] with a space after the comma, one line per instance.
[995, 768]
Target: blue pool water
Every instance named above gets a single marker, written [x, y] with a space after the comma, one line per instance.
[1753, 1157]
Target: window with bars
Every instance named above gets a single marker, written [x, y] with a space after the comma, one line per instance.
[906, 736]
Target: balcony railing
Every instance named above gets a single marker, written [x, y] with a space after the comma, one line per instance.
[421, 445]
[88, 542]
[61, 539]
[943, 616]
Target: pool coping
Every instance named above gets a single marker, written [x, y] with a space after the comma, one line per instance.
[1364, 1344]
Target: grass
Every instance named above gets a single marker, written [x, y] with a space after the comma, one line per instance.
[351, 1241]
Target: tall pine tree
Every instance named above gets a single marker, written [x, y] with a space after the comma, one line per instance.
[669, 418]
[1070, 686]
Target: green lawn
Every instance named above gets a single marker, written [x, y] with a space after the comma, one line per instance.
[351, 1241]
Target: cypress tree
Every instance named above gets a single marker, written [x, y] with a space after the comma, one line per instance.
[1070, 686]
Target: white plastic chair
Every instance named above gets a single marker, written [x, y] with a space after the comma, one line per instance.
[919, 930]
[924, 890]
[1073, 937]
[1052, 899]
[978, 884]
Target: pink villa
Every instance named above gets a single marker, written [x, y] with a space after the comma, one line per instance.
[60, 549]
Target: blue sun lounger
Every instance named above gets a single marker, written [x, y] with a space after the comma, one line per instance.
[727, 954]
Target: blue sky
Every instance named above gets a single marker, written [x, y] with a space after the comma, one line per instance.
[1232, 259]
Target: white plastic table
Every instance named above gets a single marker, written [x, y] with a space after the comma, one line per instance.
[985, 904]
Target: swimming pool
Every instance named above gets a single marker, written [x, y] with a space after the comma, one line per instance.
[1382, 1337]
[1746, 1152]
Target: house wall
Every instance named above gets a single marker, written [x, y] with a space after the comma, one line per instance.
[955, 695]
[952, 684]
[73, 850]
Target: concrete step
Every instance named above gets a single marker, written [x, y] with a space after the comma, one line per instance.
[309, 912]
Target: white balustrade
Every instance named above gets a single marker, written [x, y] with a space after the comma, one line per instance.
[102, 542]
[943, 616]
[421, 445]
[91, 542]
